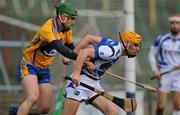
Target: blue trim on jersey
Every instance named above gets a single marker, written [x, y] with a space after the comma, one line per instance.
[162, 63]
[117, 52]
[113, 51]
[82, 72]
[105, 66]
[58, 26]
[71, 85]
[103, 62]
[157, 41]
[105, 42]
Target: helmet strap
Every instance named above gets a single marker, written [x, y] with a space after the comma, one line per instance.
[61, 19]
[64, 29]
[129, 56]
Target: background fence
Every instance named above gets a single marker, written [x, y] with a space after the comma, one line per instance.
[20, 19]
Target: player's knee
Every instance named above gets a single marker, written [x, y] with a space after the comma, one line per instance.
[33, 98]
[161, 104]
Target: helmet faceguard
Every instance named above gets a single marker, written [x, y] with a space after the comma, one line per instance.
[129, 37]
[68, 11]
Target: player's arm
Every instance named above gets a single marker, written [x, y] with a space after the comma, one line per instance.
[62, 49]
[81, 58]
[86, 41]
[71, 46]
[153, 51]
[49, 36]
[152, 57]
[66, 61]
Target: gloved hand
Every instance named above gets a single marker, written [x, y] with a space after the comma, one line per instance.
[66, 61]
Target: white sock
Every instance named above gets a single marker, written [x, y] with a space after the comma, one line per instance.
[176, 112]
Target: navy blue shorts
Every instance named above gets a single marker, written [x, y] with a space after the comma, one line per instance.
[25, 69]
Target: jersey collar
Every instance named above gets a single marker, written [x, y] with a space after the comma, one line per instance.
[59, 26]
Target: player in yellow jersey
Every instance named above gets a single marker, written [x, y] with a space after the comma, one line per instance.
[54, 36]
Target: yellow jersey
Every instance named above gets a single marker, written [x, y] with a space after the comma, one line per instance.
[39, 52]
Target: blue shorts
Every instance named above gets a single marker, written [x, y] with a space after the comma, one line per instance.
[25, 69]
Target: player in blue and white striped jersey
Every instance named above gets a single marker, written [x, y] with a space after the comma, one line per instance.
[167, 47]
[102, 55]
[106, 54]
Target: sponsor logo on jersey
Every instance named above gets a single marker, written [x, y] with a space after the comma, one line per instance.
[76, 92]
[101, 53]
[50, 53]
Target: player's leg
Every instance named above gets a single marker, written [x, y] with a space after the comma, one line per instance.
[176, 92]
[164, 88]
[30, 85]
[74, 95]
[70, 107]
[104, 105]
[44, 102]
[29, 81]
[161, 102]
[43, 105]
[176, 102]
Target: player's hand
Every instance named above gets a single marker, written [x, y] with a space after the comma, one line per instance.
[90, 66]
[157, 74]
[76, 80]
[66, 61]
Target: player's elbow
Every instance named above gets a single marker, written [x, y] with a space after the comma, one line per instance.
[90, 38]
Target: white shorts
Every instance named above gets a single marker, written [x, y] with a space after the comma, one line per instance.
[81, 93]
[170, 82]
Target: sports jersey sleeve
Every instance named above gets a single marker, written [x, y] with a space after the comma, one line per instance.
[153, 51]
[67, 52]
[71, 46]
[104, 51]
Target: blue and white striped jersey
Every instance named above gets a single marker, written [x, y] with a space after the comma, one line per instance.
[168, 50]
[107, 53]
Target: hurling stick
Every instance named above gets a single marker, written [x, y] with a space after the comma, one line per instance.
[128, 105]
[173, 69]
[148, 87]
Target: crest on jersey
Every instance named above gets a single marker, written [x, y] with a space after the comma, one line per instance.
[101, 53]
[76, 92]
